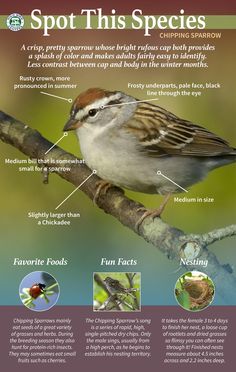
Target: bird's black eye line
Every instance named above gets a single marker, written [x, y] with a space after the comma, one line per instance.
[114, 102]
[92, 112]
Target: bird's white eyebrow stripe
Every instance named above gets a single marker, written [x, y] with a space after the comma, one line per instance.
[113, 98]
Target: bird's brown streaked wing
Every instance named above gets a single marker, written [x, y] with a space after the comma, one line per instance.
[162, 133]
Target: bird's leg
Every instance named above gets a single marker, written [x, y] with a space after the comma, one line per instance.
[152, 212]
[102, 188]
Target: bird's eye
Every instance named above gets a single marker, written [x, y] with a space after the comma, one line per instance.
[92, 112]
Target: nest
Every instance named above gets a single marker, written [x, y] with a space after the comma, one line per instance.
[200, 293]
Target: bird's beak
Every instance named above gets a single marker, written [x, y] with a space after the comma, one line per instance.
[72, 124]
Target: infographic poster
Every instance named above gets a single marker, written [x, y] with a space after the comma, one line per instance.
[118, 183]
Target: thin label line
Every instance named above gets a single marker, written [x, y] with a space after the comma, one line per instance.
[161, 174]
[129, 103]
[64, 135]
[77, 188]
[53, 95]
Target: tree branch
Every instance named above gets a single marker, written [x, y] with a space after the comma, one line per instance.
[174, 243]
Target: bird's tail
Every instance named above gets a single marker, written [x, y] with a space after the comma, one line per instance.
[219, 161]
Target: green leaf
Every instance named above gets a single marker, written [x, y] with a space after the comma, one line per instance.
[24, 296]
[45, 298]
[183, 299]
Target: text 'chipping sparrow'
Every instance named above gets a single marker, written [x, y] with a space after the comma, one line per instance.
[132, 143]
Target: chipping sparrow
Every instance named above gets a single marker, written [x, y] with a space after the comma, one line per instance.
[114, 286]
[132, 143]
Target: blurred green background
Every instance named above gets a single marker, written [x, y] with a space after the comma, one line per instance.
[96, 234]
